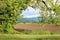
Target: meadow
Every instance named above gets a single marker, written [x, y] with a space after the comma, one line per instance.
[28, 37]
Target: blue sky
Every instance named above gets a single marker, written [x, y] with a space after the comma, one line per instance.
[30, 12]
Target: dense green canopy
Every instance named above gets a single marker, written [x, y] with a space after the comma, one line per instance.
[10, 11]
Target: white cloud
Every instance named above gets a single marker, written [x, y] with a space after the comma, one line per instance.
[31, 16]
[30, 12]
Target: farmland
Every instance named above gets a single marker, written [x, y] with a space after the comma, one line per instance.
[37, 27]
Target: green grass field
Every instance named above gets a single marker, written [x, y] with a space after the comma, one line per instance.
[28, 37]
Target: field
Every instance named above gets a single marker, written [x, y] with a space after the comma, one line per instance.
[28, 37]
[37, 27]
[33, 32]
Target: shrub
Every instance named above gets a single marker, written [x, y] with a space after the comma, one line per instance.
[10, 11]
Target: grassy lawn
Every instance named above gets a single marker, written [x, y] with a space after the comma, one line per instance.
[28, 37]
[31, 35]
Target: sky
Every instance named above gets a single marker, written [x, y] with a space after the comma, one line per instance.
[30, 12]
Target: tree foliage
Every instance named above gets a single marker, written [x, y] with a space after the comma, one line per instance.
[10, 11]
[50, 10]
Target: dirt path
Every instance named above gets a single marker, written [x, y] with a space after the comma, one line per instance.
[37, 27]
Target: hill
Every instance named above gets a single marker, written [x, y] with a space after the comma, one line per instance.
[29, 20]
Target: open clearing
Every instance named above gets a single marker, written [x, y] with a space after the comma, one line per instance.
[37, 27]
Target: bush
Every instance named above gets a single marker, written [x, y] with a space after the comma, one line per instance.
[10, 11]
